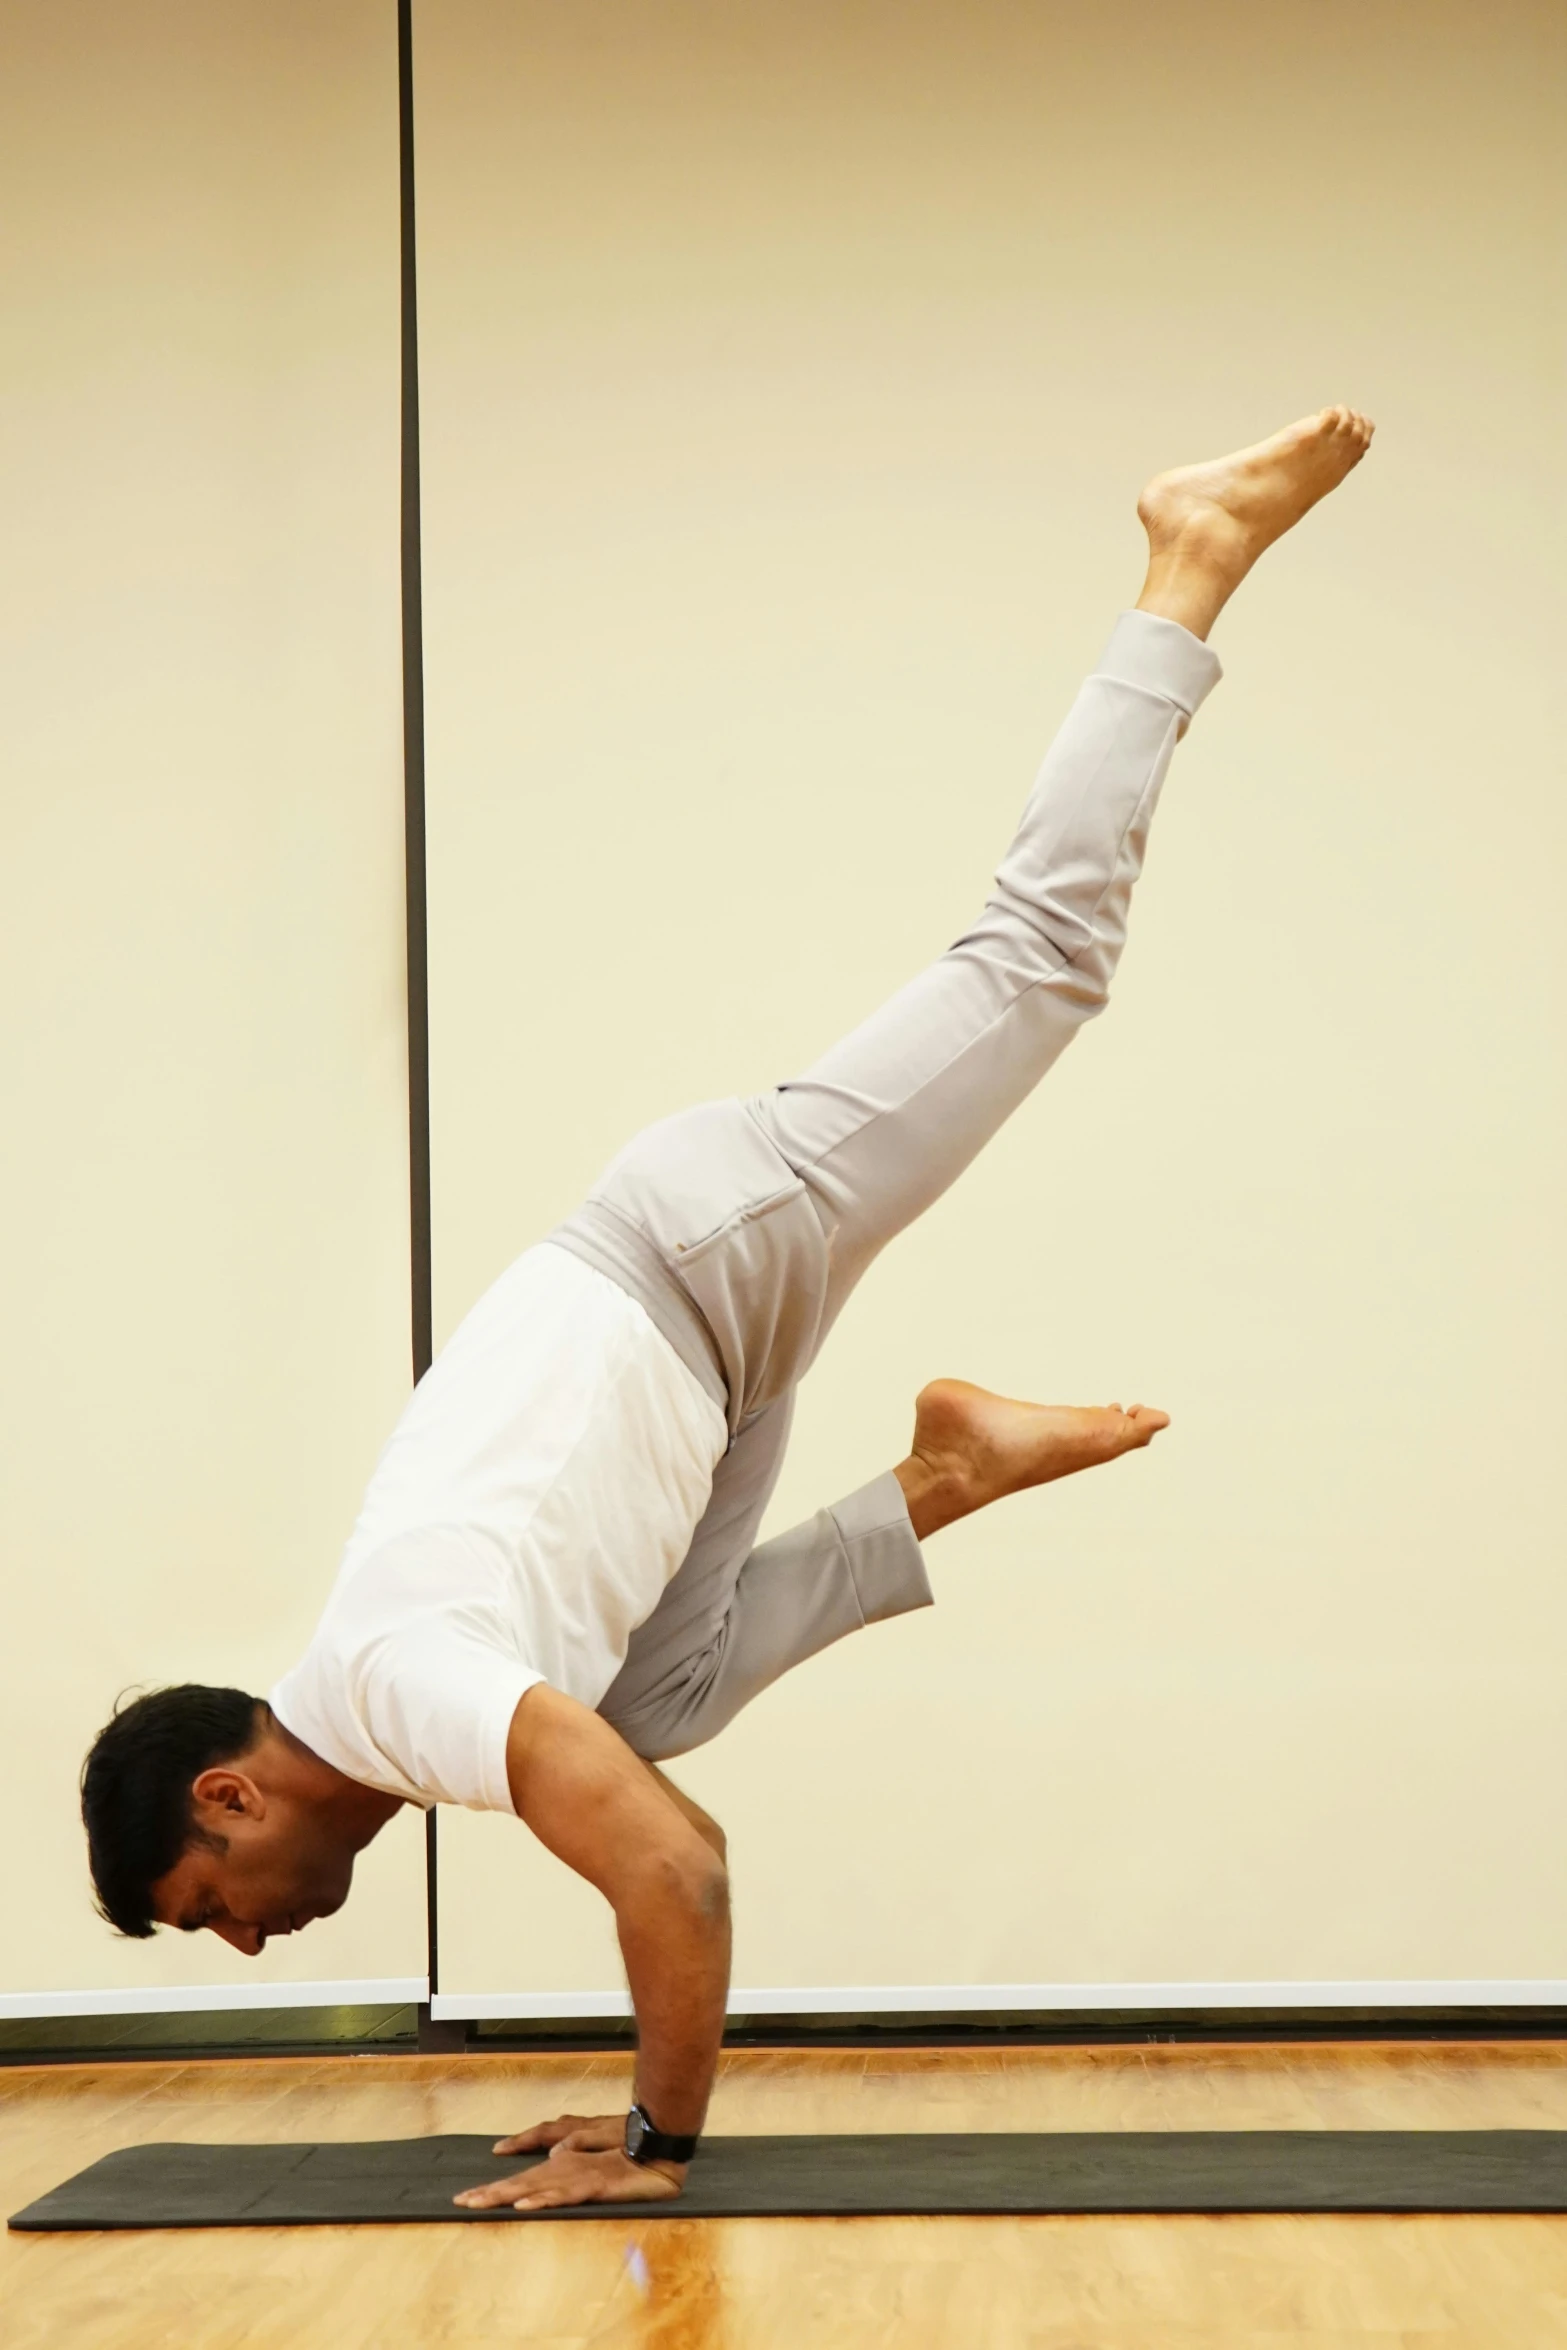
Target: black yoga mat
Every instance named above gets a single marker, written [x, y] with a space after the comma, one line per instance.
[1180, 2170]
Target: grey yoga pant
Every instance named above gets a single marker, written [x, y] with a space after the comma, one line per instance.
[742, 1226]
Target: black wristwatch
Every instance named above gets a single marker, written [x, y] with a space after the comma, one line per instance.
[646, 2143]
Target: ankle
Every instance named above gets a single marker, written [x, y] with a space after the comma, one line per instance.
[1189, 587]
[936, 1493]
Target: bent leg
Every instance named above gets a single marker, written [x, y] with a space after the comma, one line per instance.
[732, 1622]
[854, 1564]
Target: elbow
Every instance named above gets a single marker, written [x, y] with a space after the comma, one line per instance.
[692, 1880]
[709, 1891]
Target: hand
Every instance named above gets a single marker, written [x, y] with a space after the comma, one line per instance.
[576, 2173]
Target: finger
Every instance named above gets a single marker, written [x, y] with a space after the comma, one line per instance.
[552, 2197]
[541, 2135]
[487, 2198]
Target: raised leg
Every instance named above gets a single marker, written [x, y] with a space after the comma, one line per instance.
[886, 1120]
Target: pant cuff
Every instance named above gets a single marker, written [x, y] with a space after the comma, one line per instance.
[884, 1558]
[1163, 658]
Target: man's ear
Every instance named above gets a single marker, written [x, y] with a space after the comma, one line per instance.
[223, 1789]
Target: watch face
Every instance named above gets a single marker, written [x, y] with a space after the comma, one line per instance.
[636, 2131]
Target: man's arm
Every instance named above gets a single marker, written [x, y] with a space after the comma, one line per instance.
[706, 1827]
[619, 1824]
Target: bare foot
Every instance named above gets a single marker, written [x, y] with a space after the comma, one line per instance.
[1207, 524]
[971, 1447]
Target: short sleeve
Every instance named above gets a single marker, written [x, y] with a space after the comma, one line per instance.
[413, 1676]
[437, 1702]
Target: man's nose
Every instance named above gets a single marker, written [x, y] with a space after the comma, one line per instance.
[251, 1940]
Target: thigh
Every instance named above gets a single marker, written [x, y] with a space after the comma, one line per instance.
[675, 1644]
[736, 1229]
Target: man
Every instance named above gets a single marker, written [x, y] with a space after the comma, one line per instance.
[552, 1585]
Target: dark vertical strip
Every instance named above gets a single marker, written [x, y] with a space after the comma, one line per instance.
[413, 801]
[413, 725]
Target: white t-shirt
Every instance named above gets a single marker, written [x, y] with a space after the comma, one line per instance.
[536, 1496]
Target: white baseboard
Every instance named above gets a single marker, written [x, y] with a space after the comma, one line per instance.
[810, 1999]
[1047, 1998]
[194, 1998]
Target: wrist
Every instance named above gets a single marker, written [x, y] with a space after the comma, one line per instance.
[649, 2145]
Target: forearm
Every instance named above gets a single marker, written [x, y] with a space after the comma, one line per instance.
[675, 1939]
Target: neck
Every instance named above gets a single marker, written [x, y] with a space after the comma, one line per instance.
[357, 1811]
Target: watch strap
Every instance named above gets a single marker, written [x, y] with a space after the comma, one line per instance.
[646, 2142]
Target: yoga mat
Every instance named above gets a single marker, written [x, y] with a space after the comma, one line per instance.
[170, 2186]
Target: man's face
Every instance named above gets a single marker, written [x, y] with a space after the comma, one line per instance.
[270, 1868]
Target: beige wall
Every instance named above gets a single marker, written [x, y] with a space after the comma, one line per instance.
[205, 1283]
[789, 374]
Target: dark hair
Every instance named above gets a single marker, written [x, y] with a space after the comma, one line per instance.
[136, 1790]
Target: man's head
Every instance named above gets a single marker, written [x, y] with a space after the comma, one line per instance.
[200, 1810]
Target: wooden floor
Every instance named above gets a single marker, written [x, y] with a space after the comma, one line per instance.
[977, 2284]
